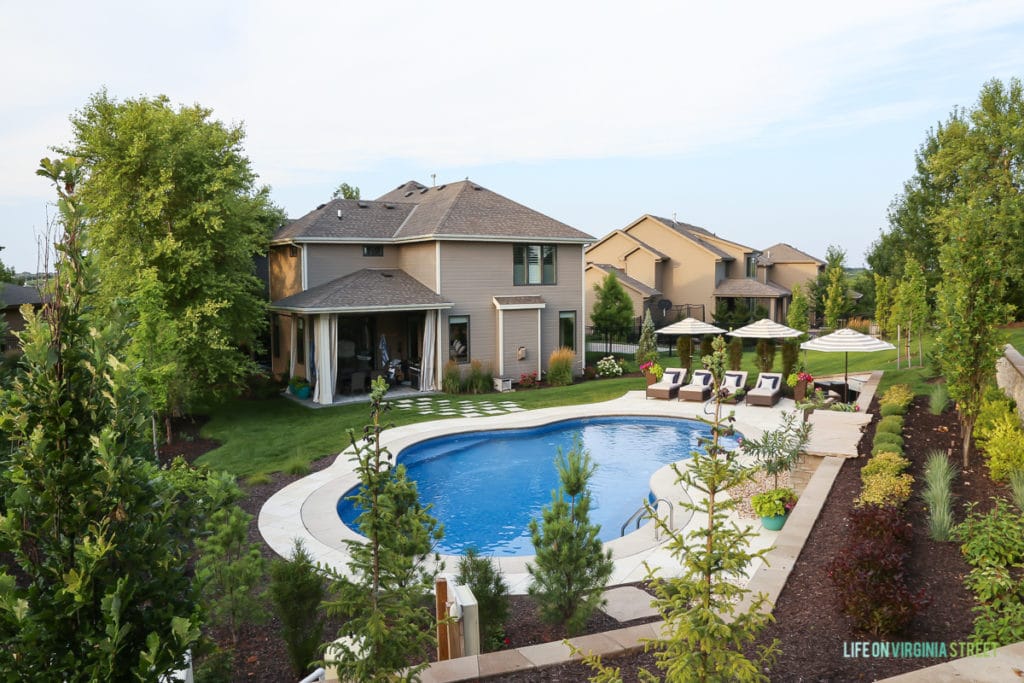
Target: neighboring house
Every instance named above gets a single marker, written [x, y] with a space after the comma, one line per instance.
[13, 297]
[426, 275]
[672, 267]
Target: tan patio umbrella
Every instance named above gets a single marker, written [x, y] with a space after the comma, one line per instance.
[765, 329]
[845, 341]
[690, 327]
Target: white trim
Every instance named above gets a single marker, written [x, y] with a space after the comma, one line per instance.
[581, 347]
[501, 343]
[516, 307]
[363, 309]
[518, 239]
[437, 267]
[539, 347]
[305, 268]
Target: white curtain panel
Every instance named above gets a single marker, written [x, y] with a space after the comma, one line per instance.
[428, 377]
[326, 358]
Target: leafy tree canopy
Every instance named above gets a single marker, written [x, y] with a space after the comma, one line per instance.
[175, 219]
[346, 191]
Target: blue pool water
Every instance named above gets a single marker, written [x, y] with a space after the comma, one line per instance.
[486, 486]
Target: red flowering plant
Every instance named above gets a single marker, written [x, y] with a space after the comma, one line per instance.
[528, 380]
[805, 376]
[647, 366]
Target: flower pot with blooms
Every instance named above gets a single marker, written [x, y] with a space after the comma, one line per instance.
[773, 506]
[652, 371]
[799, 381]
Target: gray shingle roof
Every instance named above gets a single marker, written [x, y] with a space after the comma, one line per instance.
[626, 280]
[461, 210]
[13, 296]
[360, 220]
[785, 253]
[696, 234]
[519, 301]
[748, 287]
[369, 289]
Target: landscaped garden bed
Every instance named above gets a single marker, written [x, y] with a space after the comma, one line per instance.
[809, 625]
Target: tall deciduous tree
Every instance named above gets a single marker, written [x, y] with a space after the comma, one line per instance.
[910, 305]
[612, 314]
[346, 191]
[835, 297]
[883, 304]
[94, 538]
[384, 600]
[799, 314]
[175, 219]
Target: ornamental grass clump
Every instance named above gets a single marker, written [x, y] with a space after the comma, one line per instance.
[451, 378]
[939, 474]
[560, 367]
[938, 398]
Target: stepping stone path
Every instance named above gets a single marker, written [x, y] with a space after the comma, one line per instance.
[449, 408]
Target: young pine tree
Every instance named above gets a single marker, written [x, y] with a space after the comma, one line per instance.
[571, 567]
[297, 590]
[491, 593]
[229, 570]
[647, 347]
[706, 632]
[385, 600]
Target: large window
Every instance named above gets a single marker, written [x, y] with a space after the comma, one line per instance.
[752, 267]
[533, 264]
[300, 340]
[373, 250]
[458, 338]
[567, 329]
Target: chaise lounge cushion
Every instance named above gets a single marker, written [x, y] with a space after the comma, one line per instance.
[699, 388]
[767, 391]
[668, 386]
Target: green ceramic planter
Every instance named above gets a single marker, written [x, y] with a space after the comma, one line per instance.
[773, 523]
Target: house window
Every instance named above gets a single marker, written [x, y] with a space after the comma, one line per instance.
[533, 264]
[293, 251]
[458, 338]
[567, 329]
[300, 341]
[373, 250]
[752, 267]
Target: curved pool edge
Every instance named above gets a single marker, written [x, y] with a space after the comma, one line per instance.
[306, 509]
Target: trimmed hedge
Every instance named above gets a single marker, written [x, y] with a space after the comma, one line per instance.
[888, 437]
[893, 424]
[886, 448]
[893, 409]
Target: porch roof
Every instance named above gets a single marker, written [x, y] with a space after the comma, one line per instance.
[368, 290]
[511, 303]
[748, 287]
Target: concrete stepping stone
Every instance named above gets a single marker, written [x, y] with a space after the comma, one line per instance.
[626, 603]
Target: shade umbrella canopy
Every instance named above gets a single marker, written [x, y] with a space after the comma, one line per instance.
[690, 326]
[765, 329]
[846, 341]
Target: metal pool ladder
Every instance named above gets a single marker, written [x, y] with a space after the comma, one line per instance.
[641, 514]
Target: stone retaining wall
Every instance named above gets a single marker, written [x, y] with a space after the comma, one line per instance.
[1010, 376]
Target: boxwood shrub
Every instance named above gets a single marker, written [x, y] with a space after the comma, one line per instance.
[892, 424]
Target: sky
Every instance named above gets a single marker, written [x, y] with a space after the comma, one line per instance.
[775, 122]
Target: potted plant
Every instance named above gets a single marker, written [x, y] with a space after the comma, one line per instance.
[798, 382]
[299, 387]
[652, 371]
[773, 506]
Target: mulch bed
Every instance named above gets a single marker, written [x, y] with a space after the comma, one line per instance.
[810, 629]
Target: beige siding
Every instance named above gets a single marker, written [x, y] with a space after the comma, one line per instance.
[472, 273]
[790, 274]
[285, 272]
[641, 265]
[595, 277]
[418, 260]
[520, 330]
[612, 251]
[328, 262]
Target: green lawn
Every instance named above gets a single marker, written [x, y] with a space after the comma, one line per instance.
[263, 436]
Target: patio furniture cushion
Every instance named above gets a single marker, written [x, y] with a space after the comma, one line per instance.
[668, 387]
[767, 391]
[699, 388]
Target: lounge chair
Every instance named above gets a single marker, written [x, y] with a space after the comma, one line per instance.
[699, 388]
[767, 391]
[667, 387]
[733, 382]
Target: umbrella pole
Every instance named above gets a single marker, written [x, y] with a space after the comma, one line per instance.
[846, 376]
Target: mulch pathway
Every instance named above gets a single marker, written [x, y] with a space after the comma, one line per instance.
[810, 629]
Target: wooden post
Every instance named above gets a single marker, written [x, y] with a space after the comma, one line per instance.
[441, 609]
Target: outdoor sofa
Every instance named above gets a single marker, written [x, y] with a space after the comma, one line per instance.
[767, 391]
[667, 387]
[699, 388]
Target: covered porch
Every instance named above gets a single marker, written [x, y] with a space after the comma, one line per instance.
[343, 334]
[753, 293]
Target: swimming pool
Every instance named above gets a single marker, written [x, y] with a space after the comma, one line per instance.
[486, 486]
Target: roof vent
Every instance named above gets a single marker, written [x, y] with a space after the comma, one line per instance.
[424, 190]
[320, 207]
[442, 187]
[477, 187]
[389, 206]
[339, 214]
[386, 275]
[408, 194]
[362, 205]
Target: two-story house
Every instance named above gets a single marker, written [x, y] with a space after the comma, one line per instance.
[12, 298]
[423, 276]
[664, 265]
